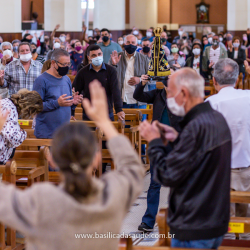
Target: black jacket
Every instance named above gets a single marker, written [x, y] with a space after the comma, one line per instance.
[157, 97]
[107, 77]
[190, 61]
[198, 172]
[240, 60]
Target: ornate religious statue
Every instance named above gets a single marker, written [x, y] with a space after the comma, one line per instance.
[158, 68]
[202, 10]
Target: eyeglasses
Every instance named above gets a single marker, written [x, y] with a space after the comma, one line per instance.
[65, 64]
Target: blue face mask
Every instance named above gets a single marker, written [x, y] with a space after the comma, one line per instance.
[97, 61]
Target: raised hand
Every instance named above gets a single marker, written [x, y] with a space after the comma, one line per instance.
[211, 64]
[57, 27]
[65, 101]
[97, 110]
[115, 57]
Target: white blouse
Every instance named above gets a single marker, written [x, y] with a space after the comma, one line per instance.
[11, 135]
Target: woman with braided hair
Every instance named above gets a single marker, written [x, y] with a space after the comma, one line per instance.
[24, 104]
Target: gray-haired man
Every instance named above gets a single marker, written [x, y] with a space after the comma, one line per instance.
[56, 91]
[234, 105]
[197, 170]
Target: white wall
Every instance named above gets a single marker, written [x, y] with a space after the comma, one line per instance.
[11, 16]
[67, 13]
[143, 13]
[238, 14]
[109, 14]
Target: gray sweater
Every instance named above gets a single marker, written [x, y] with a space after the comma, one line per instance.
[50, 218]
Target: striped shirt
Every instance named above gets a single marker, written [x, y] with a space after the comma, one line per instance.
[15, 77]
[214, 55]
[40, 59]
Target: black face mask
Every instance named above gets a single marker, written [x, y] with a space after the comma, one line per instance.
[130, 49]
[146, 49]
[105, 38]
[63, 71]
[33, 51]
[184, 37]
[163, 40]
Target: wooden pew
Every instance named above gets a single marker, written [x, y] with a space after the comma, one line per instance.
[236, 224]
[32, 166]
[8, 172]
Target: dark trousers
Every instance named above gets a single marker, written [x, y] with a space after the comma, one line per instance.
[111, 116]
[153, 199]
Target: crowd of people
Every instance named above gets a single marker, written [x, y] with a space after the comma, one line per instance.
[198, 149]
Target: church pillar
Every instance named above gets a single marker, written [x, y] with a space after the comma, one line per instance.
[11, 16]
[143, 14]
[238, 15]
[109, 14]
[64, 12]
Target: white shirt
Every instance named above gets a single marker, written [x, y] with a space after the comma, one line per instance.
[236, 54]
[196, 64]
[234, 105]
[214, 55]
[11, 135]
[128, 90]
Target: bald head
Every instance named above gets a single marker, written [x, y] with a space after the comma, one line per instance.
[164, 35]
[189, 79]
[131, 39]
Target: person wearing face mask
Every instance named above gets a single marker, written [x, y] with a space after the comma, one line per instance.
[161, 113]
[130, 65]
[76, 57]
[184, 44]
[55, 89]
[237, 54]
[106, 75]
[56, 45]
[145, 50]
[175, 60]
[149, 35]
[7, 49]
[35, 55]
[197, 170]
[244, 44]
[212, 54]
[7, 58]
[180, 33]
[22, 73]
[121, 42]
[27, 38]
[195, 60]
[15, 45]
[107, 46]
[164, 40]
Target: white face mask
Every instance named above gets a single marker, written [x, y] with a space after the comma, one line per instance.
[220, 39]
[196, 51]
[8, 52]
[57, 45]
[236, 45]
[135, 32]
[210, 40]
[25, 57]
[180, 32]
[174, 107]
[121, 42]
[148, 34]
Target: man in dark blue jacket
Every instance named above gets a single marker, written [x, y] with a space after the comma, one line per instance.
[197, 170]
[161, 113]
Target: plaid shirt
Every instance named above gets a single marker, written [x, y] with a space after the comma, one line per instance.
[15, 77]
